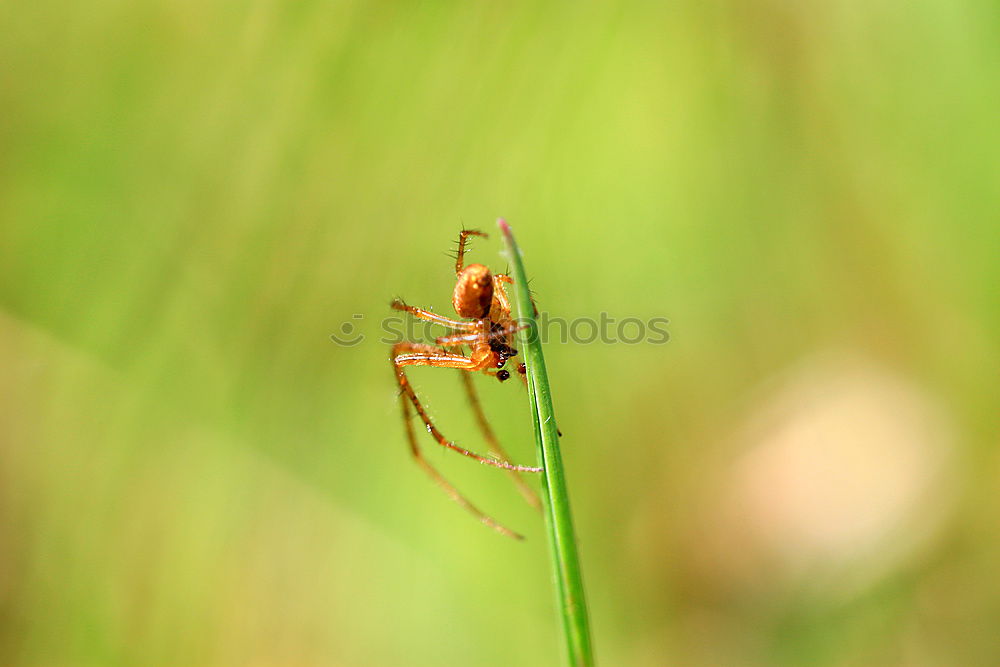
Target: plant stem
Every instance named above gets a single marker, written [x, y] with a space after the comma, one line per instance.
[555, 497]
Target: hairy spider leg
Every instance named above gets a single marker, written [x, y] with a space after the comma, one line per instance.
[428, 316]
[420, 354]
[470, 339]
[501, 302]
[452, 492]
[462, 240]
[494, 444]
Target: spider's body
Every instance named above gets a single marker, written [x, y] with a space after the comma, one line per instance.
[473, 295]
[487, 329]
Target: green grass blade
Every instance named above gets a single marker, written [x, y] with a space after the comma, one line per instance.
[555, 497]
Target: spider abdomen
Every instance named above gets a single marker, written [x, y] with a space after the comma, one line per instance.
[473, 293]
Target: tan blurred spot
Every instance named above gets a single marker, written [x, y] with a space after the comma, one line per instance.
[843, 476]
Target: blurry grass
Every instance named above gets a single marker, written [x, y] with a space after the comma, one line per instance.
[555, 494]
[193, 195]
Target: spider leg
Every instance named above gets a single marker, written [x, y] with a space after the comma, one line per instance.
[419, 354]
[468, 339]
[501, 302]
[498, 286]
[428, 316]
[462, 240]
[460, 339]
[494, 443]
[452, 492]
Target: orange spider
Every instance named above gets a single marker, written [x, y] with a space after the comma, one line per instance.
[487, 329]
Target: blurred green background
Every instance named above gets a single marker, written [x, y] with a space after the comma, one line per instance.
[195, 195]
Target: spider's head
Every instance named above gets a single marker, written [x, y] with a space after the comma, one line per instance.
[473, 293]
[500, 348]
[503, 375]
